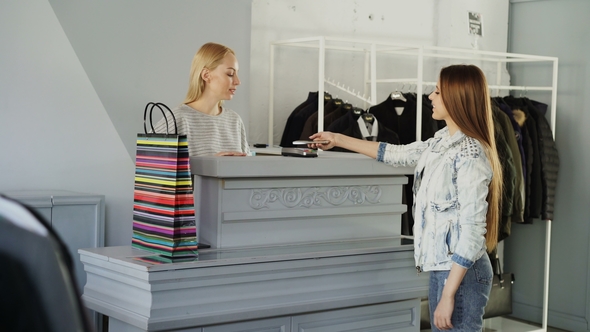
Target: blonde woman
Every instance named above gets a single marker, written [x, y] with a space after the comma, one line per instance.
[457, 192]
[211, 128]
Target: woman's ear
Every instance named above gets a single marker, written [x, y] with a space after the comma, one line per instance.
[205, 75]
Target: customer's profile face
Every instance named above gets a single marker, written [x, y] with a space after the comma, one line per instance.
[439, 111]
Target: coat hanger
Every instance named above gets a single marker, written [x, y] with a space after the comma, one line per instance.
[368, 117]
[396, 95]
[357, 112]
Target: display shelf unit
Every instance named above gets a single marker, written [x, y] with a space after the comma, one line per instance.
[423, 55]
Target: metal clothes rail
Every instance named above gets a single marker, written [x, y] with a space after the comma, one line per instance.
[372, 48]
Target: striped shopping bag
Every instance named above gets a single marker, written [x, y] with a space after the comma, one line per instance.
[163, 205]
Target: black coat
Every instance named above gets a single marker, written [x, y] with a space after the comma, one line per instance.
[311, 124]
[549, 158]
[542, 160]
[404, 124]
[299, 116]
[288, 133]
[348, 125]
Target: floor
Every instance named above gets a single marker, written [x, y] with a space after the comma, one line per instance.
[501, 324]
[512, 325]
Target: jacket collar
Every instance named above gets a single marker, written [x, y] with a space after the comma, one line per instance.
[447, 141]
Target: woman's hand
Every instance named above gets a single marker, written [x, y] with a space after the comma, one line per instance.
[368, 148]
[323, 136]
[230, 153]
[442, 314]
[446, 304]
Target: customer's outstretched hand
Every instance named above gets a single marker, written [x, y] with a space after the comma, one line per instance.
[323, 136]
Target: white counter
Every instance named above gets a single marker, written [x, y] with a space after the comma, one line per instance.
[223, 289]
[270, 200]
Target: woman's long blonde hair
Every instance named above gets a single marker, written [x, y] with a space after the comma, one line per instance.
[464, 92]
[209, 56]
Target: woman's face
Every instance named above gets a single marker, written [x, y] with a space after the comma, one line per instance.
[223, 80]
[439, 111]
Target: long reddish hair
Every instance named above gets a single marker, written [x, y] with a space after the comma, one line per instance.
[464, 92]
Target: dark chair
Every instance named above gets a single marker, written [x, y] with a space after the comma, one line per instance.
[37, 287]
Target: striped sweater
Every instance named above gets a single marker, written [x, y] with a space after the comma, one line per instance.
[208, 134]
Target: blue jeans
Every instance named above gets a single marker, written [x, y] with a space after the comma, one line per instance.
[470, 299]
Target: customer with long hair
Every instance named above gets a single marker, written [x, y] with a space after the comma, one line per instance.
[457, 191]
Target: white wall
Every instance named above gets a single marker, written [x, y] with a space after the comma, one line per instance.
[141, 50]
[75, 77]
[54, 130]
[420, 22]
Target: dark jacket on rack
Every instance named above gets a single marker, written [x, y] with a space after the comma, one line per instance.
[534, 189]
[503, 123]
[508, 175]
[287, 134]
[499, 101]
[549, 158]
[404, 124]
[311, 124]
[297, 118]
[339, 112]
[348, 125]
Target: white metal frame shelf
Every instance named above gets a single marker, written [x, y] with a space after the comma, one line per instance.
[372, 48]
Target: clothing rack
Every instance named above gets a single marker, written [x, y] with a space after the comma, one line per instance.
[420, 53]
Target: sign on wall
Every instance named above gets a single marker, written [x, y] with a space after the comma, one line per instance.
[475, 24]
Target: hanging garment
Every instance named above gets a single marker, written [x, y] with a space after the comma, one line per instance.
[548, 155]
[508, 177]
[499, 101]
[502, 122]
[297, 118]
[369, 127]
[533, 185]
[311, 125]
[339, 112]
[310, 98]
[404, 124]
[349, 125]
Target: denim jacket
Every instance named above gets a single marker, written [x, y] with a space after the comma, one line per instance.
[451, 180]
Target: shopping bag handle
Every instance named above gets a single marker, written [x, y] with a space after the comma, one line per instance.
[498, 271]
[151, 106]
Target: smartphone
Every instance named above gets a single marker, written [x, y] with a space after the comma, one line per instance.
[305, 142]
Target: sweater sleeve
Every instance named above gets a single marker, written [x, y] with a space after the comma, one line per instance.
[243, 139]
